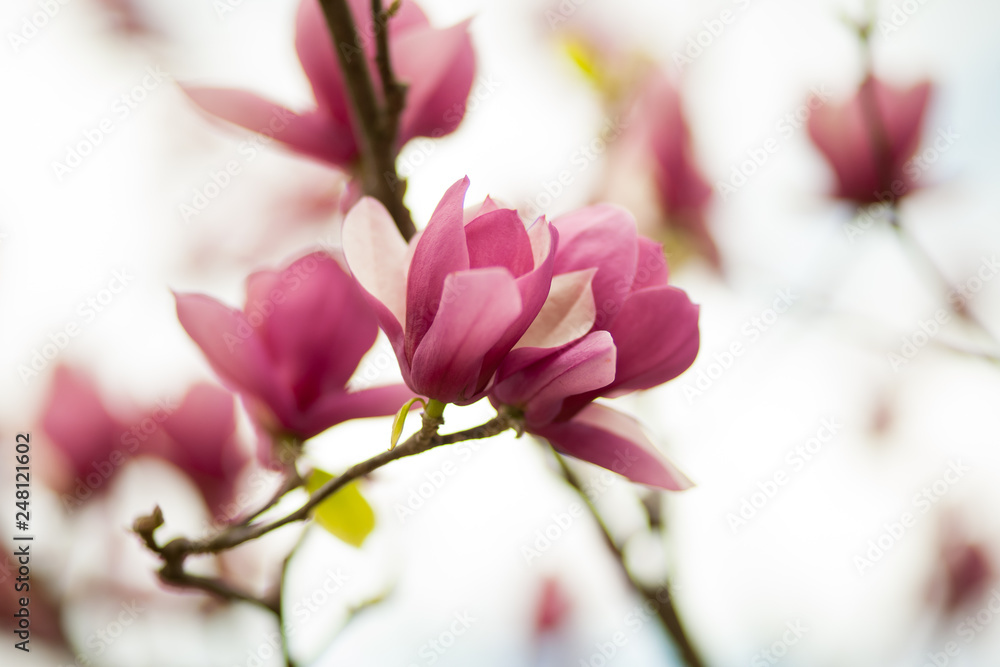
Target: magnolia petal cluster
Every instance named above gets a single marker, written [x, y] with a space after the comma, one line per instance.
[436, 65]
[198, 436]
[542, 319]
[640, 332]
[292, 349]
[869, 139]
[457, 298]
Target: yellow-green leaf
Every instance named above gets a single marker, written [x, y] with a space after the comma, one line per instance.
[346, 514]
[397, 423]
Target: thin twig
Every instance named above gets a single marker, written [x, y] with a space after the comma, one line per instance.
[664, 605]
[376, 126]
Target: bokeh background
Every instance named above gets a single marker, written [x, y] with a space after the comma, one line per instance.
[739, 586]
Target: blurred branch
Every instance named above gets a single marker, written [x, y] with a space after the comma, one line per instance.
[664, 605]
[177, 550]
[377, 125]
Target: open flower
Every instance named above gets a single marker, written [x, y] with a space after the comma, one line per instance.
[293, 348]
[869, 139]
[459, 297]
[639, 332]
[436, 65]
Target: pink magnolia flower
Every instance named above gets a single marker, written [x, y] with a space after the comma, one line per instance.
[639, 332]
[201, 441]
[437, 66]
[459, 297]
[292, 349]
[870, 139]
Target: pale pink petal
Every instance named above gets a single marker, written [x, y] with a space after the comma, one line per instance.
[651, 269]
[377, 255]
[568, 312]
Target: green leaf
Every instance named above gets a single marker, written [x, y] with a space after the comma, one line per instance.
[346, 514]
[397, 423]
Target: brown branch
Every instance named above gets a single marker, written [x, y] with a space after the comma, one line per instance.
[375, 125]
[664, 605]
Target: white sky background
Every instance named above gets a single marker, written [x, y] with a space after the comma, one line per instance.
[826, 358]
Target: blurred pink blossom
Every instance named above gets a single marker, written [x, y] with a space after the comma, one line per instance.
[437, 66]
[292, 349]
[870, 139]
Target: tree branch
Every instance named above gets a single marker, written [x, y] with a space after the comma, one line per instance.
[663, 603]
[376, 126]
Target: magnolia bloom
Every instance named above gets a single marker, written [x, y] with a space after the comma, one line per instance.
[639, 331]
[436, 65]
[870, 139]
[653, 167]
[292, 349]
[459, 297]
[200, 439]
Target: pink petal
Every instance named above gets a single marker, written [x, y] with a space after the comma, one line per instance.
[602, 236]
[657, 336]
[314, 46]
[317, 324]
[499, 238]
[540, 388]
[311, 134]
[439, 66]
[651, 268]
[608, 438]
[477, 308]
[440, 251]
[534, 287]
[202, 429]
[233, 348]
[77, 421]
[335, 408]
